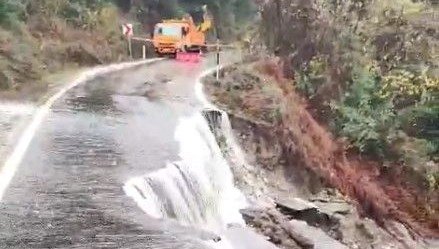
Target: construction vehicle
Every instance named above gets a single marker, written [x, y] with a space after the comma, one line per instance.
[182, 39]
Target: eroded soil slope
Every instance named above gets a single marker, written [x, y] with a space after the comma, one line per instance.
[290, 138]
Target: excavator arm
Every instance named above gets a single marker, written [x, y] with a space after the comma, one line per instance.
[206, 25]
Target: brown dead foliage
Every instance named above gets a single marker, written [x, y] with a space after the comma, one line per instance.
[307, 144]
[271, 68]
[380, 196]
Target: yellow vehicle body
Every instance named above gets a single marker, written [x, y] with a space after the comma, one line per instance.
[173, 36]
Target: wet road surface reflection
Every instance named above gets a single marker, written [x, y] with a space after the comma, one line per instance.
[68, 191]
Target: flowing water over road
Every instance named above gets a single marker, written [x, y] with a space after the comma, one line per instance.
[114, 148]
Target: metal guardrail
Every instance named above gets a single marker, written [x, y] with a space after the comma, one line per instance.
[217, 47]
[222, 45]
[141, 39]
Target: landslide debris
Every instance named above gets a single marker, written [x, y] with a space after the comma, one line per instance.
[291, 155]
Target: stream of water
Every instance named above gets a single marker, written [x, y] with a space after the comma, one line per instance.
[196, 190]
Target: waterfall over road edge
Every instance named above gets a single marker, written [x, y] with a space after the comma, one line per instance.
[197, 190]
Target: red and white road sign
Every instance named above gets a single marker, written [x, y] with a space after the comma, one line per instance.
[127, 29]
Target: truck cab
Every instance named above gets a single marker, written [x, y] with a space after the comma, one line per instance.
[168, 37]
[174, 36]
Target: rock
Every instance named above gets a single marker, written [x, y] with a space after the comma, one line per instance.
[364, 229]
[315, 236]
[296, 208]
[327, 195]
[250, 214]
[333, 208]
[403, 235]
[216, 239]
[5, 81]
[244, 238]
[364, 233]
[236, 87]
[297, 235]
[274, 225]
[294, 205]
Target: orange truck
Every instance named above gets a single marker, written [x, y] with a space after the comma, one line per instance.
[181, 38]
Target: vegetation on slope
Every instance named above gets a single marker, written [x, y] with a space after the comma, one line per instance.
[230, 15]
[40, 37]
[370, 70]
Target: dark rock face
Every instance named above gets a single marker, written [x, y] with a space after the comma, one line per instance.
[82, 55]
[324, 222]
[275, 226]
[5, 81]
[295, 208]
[296, 223]
[213, 118]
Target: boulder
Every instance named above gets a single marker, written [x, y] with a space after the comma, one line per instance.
[314, 236]
[250, 214]
[295, 204]
[296, 208]
[273, 224]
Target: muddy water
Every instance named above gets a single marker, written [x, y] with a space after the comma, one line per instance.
[68, 191]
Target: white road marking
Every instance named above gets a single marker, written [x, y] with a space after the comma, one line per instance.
[199, 92]
[12, 163]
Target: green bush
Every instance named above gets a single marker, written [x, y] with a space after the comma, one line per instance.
[363, 115]
[85, 14]
[421, 121]
[9, 13]
[375, 109]
[312, 77]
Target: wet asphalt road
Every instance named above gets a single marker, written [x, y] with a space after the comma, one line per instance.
[68, 192]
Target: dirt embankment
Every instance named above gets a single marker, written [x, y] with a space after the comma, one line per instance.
[44, 45]
[277, 131]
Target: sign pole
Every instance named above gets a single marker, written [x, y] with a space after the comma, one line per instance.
[127, 30]
[217, 59]
[130, 48]
[144, 51]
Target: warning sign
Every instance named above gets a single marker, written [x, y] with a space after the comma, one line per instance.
[127, 29]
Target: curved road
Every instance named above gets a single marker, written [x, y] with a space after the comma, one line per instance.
[67, 192]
